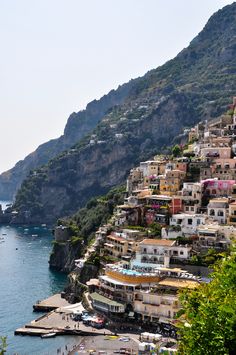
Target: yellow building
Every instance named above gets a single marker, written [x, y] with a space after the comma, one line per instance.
[161, 303]
[171, 182]
[118, 246]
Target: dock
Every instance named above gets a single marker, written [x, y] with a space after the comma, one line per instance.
[50, 303]
[59, 321]
[34, 331]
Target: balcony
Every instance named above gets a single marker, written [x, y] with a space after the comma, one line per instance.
[151, 253]
[151, 261]
[151, 304]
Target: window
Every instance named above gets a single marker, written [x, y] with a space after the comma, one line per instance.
[181, 253]
[198, 221]
[187, 208]
[212, 212]
[190, 221]
[220, 213]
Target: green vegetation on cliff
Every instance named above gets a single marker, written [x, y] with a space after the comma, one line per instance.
[208, 325]
[96, 213]
[81, 229]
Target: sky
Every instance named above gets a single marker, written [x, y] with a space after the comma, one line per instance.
[58, 55]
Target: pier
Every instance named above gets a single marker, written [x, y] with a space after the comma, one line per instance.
[50, 303]
[58, 320]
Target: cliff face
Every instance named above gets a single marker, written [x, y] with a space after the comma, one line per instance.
[63, 256]
[78, 125]
[197, 84]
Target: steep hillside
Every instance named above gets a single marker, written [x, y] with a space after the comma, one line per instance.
[197, 84]
[78, 125]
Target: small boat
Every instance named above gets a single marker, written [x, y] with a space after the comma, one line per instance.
[4, 233]
[34, 235]
[43, 225]
[48, 335]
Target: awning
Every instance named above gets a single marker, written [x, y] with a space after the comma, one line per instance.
[165, 320]
[97, 297]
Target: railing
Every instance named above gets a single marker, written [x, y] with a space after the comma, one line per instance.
[152, 261]
[150, 253]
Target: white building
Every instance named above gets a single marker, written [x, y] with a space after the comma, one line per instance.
[218, 208]
[187, 222]
[158, 252]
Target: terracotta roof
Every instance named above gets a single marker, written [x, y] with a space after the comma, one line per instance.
[114, 237]
[161, 242]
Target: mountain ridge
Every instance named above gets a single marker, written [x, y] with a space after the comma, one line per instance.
[78, 125]
[197, 84]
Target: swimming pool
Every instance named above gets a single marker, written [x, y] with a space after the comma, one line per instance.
[130, 272]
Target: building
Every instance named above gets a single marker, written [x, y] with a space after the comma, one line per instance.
[212, 236]
[158, 253]
[187, 223]
[232, 214]
[120, 289]
[128, 215]
[118, 246]
[160, 304]
[191, 197]
[216, 152]
[217, 209]
[176, 205]
[218, 188]
[171, 182]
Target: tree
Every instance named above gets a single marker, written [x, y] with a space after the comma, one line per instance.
[208, 323]
[156, 229]
[3, 345]
[176, 151]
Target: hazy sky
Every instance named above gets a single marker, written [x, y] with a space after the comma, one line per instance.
[57, 55]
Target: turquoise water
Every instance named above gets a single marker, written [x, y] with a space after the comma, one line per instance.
[24, 279]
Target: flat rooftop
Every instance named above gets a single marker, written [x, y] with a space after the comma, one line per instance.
[179, 283]
[160, 242]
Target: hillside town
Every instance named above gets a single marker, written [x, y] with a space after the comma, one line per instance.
[178, 215]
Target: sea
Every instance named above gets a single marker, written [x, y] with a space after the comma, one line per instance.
[26, 278]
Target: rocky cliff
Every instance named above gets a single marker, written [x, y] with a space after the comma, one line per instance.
[197, 84]
[78, 125]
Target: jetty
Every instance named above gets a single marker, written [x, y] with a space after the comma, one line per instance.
[59, 320]
[50, 303]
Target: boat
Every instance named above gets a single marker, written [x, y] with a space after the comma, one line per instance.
[48, 335]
